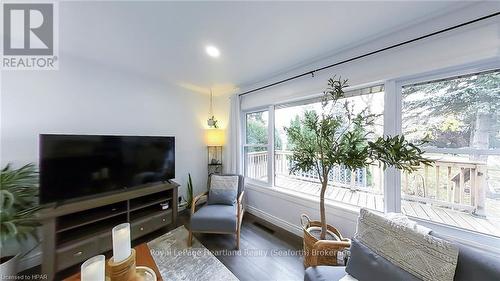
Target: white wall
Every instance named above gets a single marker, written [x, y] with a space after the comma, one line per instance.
[221, 112]
[84, 97]
[476, 43]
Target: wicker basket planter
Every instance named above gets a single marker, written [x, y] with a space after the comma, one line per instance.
[324, 252]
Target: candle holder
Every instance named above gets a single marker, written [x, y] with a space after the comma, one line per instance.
[123, 270]
[93, 269]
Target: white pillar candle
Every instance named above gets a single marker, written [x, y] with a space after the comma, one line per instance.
[93, 269]
[121, 242]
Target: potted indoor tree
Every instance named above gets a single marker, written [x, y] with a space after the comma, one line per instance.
[18, 208]
[338, 136]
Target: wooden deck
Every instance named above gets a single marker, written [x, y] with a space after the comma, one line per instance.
[488, 225]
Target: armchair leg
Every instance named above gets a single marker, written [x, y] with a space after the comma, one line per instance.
[190, 238]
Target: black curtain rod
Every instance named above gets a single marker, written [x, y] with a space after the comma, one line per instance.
[370, 53]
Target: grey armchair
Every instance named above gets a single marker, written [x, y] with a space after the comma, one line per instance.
[218, 218]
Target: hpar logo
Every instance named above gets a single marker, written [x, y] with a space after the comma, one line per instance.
[29, 36]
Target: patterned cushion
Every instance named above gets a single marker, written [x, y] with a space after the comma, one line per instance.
[425, 256]
[223, 190]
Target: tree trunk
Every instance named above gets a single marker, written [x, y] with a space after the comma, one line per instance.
[480, 139]
[322, 210]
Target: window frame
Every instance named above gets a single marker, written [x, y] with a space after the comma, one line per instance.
[442, 74]
[270, 140]
[392, 125]
[350, 91]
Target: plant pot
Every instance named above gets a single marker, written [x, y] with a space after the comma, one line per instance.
[8, 268]
[314, 256]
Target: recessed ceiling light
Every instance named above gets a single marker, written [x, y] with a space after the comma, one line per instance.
[212, 51]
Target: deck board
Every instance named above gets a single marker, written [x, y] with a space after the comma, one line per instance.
[431, 213]
[362, 199]
[370, 202]
[474, 222]
[488, 225]
[379, 203]
[445, 216]
[354, 198]
[334, 193]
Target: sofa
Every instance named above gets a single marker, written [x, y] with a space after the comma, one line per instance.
[364, 264]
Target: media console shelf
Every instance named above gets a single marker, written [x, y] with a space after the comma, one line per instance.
[76, 231]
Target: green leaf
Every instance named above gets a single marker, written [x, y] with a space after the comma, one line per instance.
[336, 136]
[18, 199]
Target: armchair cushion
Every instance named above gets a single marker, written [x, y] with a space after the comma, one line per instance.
[223, 190]
[215, 218]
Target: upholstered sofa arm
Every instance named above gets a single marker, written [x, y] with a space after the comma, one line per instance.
[204, 195]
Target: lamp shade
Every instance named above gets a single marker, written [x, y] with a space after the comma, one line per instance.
[214, 137]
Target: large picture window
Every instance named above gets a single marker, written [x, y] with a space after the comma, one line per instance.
[460, 117]
[363, 187]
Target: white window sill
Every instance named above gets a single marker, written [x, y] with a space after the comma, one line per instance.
[350, 212]
[347, 211]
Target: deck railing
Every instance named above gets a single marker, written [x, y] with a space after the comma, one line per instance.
[452, 183]
[361, 179]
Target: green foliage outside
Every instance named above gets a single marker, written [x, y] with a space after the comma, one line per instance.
[453, 113]
[337, 136]
[257, 132]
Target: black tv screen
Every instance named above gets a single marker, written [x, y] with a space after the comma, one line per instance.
[74, 166]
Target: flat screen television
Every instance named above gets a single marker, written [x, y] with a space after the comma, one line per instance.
[76, 166]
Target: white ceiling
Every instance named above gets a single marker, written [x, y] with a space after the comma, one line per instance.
[257, 39]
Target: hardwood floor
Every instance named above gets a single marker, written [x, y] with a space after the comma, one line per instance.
[267, 253]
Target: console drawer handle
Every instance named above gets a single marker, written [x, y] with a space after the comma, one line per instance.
[163, 219]
[142, 228]
[77, 254]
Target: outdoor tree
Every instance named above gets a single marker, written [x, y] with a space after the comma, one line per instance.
[467, 108]
[257, 131]
[338, 136]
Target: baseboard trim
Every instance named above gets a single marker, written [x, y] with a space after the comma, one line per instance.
[294, 229]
